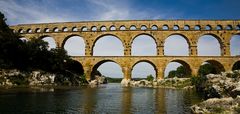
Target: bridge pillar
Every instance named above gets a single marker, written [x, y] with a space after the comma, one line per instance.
[160, 73]
[194, 72]
[127, 50]
[87, 72]
[225, 51]
[160, 50]
[193, 51]
[126, 72]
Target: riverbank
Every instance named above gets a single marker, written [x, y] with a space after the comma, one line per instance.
[14, 77]
[174, 83]
[221, 92]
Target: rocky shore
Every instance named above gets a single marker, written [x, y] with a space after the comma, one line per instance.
[15, 77]
[221, 92]
[175, 83]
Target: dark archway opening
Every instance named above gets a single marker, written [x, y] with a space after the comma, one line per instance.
[210, 67]
[177, 68]
[236, 66]
[108, 69]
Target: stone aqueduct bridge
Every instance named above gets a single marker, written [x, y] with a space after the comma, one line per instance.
[126, 31]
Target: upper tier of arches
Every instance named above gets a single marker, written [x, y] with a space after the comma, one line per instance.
[170, 25]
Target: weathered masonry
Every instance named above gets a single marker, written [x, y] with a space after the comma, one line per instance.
[127, 30]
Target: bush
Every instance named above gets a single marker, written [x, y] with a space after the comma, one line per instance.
[150, 78]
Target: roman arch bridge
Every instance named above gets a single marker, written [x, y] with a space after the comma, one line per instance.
[127, 31]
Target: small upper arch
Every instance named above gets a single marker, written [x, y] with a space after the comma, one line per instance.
[64, 29]
[154, 27]
[103, 28]
[112, 28]
[133, 27]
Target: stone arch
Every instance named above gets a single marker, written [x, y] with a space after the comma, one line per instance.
[53, 45]
[37, 30]
[186, 27]
[175, 27]
[236, 65]
[229, 27]
[84, 28]
[93, 28]
[219, 67]
[20, 31]
[154, 27]
[197, 27]
[55, 29]
[155, 39]
[29, 30]
[220, 42]
[208, 27]
[103, 28]
[145, 61]
[165, 27]
[176, 51]
[69, 36]
[46, 30]
[122, 27]
[235, 45]
[132, 27]
[237, 27]
[182, 35]
[144, 27]
[219, 27]
[98, 64]
[185, 64]
[64, 29]
[74, 29]
[142, 34]
[103, 35]
[112, 28]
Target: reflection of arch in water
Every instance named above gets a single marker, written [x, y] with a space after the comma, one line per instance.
[126, 100]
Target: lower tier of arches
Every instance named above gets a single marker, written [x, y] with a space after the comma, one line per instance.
[192, 64]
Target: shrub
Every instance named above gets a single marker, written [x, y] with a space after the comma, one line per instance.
[150, 78]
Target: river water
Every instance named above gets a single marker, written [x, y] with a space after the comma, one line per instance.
[106, 99]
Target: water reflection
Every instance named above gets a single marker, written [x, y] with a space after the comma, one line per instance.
[110, 98]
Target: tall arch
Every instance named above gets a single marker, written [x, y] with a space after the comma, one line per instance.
[236, 65]
[209, 45]
[144, 45]
[174, 64]
[108, 45]
[143, 68]
[177, 45]
[111, 66]
[218, 66]
[235, 45]
[50, 40]
[74, 45]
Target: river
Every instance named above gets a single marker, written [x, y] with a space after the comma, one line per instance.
[106, 99]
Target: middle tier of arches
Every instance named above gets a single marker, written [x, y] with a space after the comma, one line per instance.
[127, 40]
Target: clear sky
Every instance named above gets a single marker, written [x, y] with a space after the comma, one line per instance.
[44, 11]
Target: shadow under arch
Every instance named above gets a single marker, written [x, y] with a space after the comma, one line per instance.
[145, 61]
[75, 66]
[218, 66]
[184, 64]
[236, 65]
[44, 36]
[104, 35]
[68, 37]
[96, 66]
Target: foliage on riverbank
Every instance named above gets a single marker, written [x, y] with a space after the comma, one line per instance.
[34, 55]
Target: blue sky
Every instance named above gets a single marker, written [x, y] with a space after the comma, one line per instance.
[45, 11]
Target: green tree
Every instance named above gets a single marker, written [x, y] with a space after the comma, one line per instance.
[150, 78]
[206, 69]
[180, 72]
